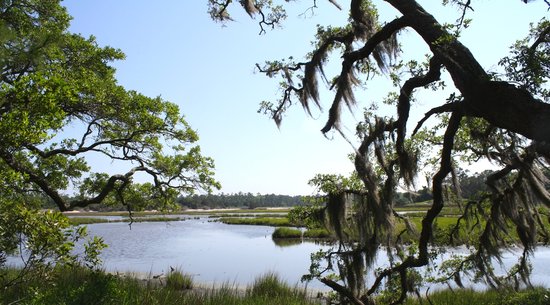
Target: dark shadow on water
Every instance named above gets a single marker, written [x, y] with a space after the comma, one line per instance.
[287, 242]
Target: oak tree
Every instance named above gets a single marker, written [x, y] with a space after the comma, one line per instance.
[503, 118]
[63, 117]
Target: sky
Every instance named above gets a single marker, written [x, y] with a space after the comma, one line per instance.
[174, 50]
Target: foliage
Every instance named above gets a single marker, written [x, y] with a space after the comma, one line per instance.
[498, 117]
[56, 84]
[61, 109]
[309, 215]
[40, 239]
[239, 200]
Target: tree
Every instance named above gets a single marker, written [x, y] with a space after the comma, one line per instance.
[60, 107]
[503, 118]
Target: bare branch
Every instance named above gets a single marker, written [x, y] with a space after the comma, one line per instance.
[450, 107]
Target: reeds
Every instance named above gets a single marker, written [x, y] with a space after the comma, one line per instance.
[285, 232]
[80, 286]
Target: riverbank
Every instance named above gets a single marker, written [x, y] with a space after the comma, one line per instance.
[80, 286]
[72, 286]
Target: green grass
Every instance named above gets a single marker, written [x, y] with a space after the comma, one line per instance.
[75, 221]
[270, 287]
[536, 296]
[124, 213]
[244, 215]
[179, 280]
[152, 219]
[258, 221]
[317, 233]
[284, 232]
[79, 286]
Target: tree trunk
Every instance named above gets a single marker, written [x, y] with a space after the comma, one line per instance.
[500, 103]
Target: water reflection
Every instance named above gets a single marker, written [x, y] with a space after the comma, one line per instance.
[287, 242]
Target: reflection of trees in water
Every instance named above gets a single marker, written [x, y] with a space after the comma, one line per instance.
[287, 242]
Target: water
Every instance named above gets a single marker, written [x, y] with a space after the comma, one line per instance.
[215, 253]
[212, 252]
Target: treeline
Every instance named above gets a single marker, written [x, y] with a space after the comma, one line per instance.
[239, 200]
[470, 185]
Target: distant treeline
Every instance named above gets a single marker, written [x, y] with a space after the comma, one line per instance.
[470, 186]
[239, 200]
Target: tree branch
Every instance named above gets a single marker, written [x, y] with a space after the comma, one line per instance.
[345, 81]
[341, 290]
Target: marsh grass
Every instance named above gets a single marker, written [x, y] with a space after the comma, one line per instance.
[273, 215]
[535, 296]
[80, 286]
[152, 219]
[285, 232]
[179, 280]
[270, 289]
[75, 221]
[317, 233]
[258, 221]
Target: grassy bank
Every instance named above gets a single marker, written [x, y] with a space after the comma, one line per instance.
[78, 286]
[283, 232]
[258, 221]
[536, 296]
[91, 220]
[184, 212]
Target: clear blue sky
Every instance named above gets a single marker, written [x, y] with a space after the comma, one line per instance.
[174, 50]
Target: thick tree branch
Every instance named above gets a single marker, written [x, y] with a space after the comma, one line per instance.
[437, 187]
[465, 71]
[408, 163]
[341, 290]
[106, 190]
[500, 103]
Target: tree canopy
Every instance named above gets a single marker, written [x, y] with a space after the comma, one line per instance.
[60, 102]
[62, 115]
[500, 117]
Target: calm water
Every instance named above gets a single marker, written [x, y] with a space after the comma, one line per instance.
[212, 252]
[216, 253]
